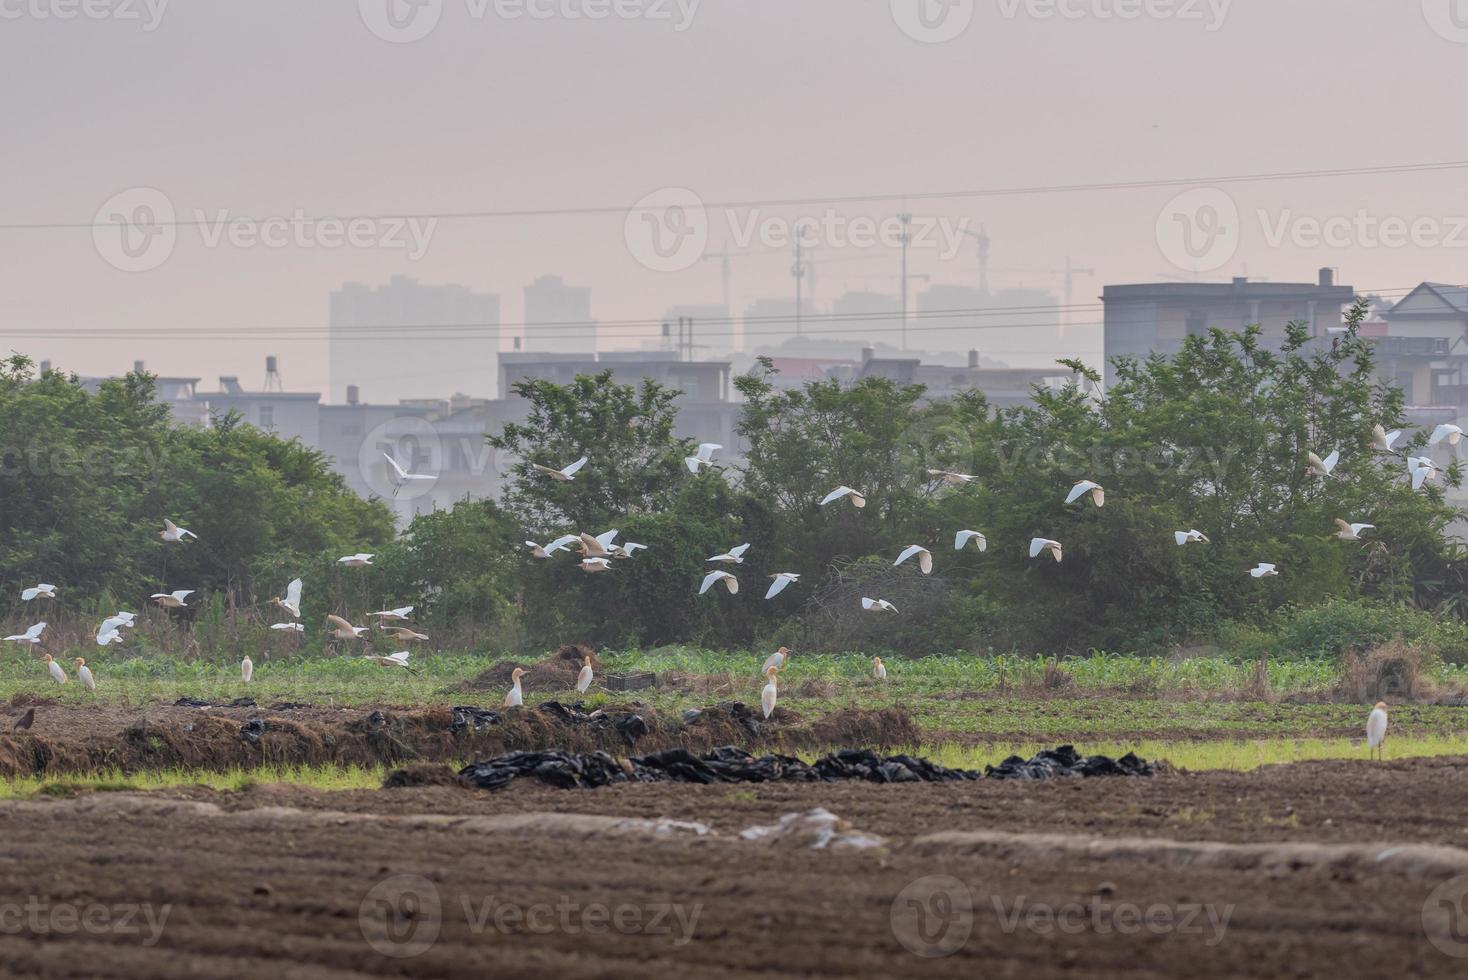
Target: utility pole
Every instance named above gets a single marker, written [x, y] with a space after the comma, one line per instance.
[798, 271]
[906, 220]
[1070, 273]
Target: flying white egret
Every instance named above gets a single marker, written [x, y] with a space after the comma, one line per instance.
[41, 591]
[1447, 431]
[594, 565]
[1351, 532]
[858, 499]
[777, 659]
[730, 582]
[962, 538]
[108, 636]
[598, 547]
[769, 694]
[1096, 490]
[1382, 440]
[400, 477]
[953, 479]
[402, 634]
[172, 532]
[627, 549]
[704, 456]
[84, 674]
[1421, 468]
[358, 560]
[877, 605]
[924, 557]
[561, 476]
[733, 555]
[31, 636]
[1376, 728]
[399, 659]
[583, 679]
[1315, 466]
[172, 600]
[562, 543]
[398, 615]
[879, 669]
[781, 581]
[1189, 537]
[54, 669]
[1038, 545]
[116, 623]
[1263, 569]
[516, 697]
[291, 601]
[345, 630]
[247, 669]
[289, 627]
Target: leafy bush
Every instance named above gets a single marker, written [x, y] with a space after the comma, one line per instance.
[1339, 627]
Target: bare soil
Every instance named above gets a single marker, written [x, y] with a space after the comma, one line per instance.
[279, 880]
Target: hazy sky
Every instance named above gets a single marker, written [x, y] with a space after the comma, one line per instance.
[272, 107]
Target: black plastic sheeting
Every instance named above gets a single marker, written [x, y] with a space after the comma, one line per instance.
[188, 702]
[569, 770]
[631, 727]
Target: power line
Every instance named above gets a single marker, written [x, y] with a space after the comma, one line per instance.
[799, 201]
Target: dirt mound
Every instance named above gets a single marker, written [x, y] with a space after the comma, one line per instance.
[558, 672]
[23, 699]
[885, 728]
[713, 685]
[422, 775]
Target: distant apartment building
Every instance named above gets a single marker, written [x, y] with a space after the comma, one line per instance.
[557, 317]
[1146, 318]
[1017, 326]
[408, 340]
[1422, 345]
[1003, 387]
[766, 321]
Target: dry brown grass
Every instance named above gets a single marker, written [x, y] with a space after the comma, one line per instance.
[1394, 671]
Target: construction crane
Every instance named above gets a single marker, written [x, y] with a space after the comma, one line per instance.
[982, 237]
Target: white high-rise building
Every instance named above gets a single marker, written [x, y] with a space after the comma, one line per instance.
[558, 318]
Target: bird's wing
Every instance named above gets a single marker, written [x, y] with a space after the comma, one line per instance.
[606, 538]
[1078, 490]
[732, 583]
[1037, 545]
[836, 494]
[1392, 437]
[1181, 537]
[961, 538]
[907, 553]
[340, 623]
[183, 594]
[1358, 528]
[888, 606]
[1314, 461]
[559, 544]
[1332, 459]
[925, 561]
[293, 592]
[867, 603]
[706, 450]
[709, 580]
[1342, 525]
[1098, 494]
[401, 657]
[170, 526]
[777, 586]
[739, 551]
[693, 463]
[1439, 434]
[35, 631]
[1418, 475]
[402, 473]
[574, 468]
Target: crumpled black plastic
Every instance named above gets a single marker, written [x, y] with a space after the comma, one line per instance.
[188, 702]
[566, 770]
[252, 730]
[471, 719]
[1066, 761]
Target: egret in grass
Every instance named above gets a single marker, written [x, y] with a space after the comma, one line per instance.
[1315, 466]
[172, 600]
[1037, 545]
[879, 669]
[1263, 570]
[734, 556]
[583, 679]
[1351, 532]
[291, 601]
[31, 636]
[1376, 728]
[924, 557]
[704, 456]
[769, 694]
[42, 591]
[172, 532]
[247, 669]
[781, 582]
[962, 538]
[858, 499]
[54, 669]
[730, 582]
[84, 674]
[1096, 490]
[778, 659]
[400, 477]
[877, 605]
[399, 659]
[565, 475]
[562, 543]
[516, 697]
[1189, 537]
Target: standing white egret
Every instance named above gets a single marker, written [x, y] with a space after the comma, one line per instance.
[1376, 728]
[1447, 431]
[42, 591]
[769, 694]
[733, 555]
[962, 538]
[84, 674]
[1263, 569]
[704, 456]
[359, 560]
[877, 605]
[1382, 440]
[781, 581]
[858, 499]
[730, 582]
[1351, 532]
[779, 659]
[879, 669]
[172, 600]
[398, 615]
[31, 636]
[952, 479]
[247, 669]
[291, 601]
[516, 697]
[583, 679]
[54, 669]
[1038, 545]
[1315, 466]
[400, 477]
[559, 544]
[172, 532]
[924, 557]
[1096, 490]
[561, 476]
[1189, 537]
